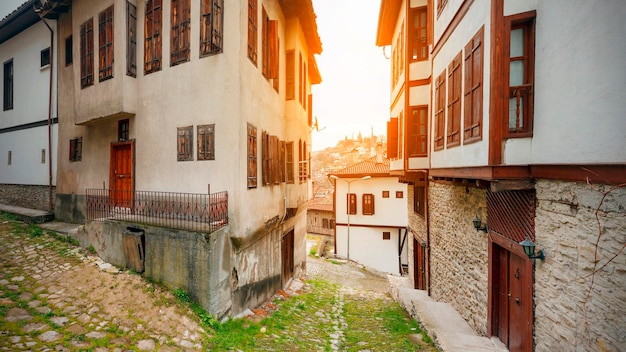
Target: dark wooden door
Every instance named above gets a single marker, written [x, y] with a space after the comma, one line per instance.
[513, 300]
[122, 179]
[419, 265]
[286, 249]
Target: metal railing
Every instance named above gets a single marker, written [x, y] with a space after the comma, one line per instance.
[184, 211]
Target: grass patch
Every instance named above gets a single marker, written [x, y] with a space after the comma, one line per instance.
[207, 320]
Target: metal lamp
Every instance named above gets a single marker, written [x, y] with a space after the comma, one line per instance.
[529, 249]
[478, 225]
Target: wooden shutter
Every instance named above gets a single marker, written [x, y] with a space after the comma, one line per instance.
[392, 138]
[440, 104]
[473, 94]
[291, 75]
[351, 203]
[454, 102]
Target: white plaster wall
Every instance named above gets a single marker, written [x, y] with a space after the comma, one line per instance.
[444, 19]
[387, 211]
[368, 248]
[31, 87]
[418, 163]
[419, 95]
[479, 14]
[580, 82]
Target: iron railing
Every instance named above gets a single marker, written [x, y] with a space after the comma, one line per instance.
[184, 211]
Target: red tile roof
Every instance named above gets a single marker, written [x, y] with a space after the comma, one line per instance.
[369, 167]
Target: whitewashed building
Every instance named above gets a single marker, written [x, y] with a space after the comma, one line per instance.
[189, 121]
[508, 122]
[28, 118]
[371, 216]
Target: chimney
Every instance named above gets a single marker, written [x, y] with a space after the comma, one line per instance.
[379, 153]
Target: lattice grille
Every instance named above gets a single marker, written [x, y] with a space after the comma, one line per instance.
[512, 214]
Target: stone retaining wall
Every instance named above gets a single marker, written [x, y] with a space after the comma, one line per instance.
[27, 196]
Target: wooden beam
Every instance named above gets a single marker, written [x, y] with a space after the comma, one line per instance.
[511, 185]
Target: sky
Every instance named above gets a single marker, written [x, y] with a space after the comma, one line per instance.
[354, 94]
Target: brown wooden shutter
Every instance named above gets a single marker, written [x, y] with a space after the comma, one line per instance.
[473, 94]
[290, 81]
[392, 138]
[440, 107]
[310, 111]
[265, 158]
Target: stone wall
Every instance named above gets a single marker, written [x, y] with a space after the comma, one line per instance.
[577, 310]
[459, 260]
[27, 196]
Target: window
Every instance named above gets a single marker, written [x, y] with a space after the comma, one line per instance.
[418, 40]
[303, 87]
[105, 33]
[302, 162]
[68, 50]
[351, 203]
[7, 101]
[418, 131]
[9, 157]
[185, 143]
[473, 100]
[521, 74]
[45, 57]
[270, 164]
[399, 194]
[290, 58]
[281, 161]
[211, 27]
[325, 223]
[392, 138]
[131, 40]
[123, 130]
[269, 64]
[86, 53]
[385, 194]
[180, 36]
[440, 112]
[252, 159]
[454, 102]
[43, 156]
[386, 235]
[289, 162]
[206, 142]
[152, 43]
[368, 204]
[76, 149]
[252, 30]
[419, 200]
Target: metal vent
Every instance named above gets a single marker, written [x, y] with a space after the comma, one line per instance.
[512, 214]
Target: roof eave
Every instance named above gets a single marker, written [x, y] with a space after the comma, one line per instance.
[387, 18]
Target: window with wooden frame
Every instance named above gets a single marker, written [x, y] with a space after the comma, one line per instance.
[211, 27]
[473, 95]
[86, 53]
[9, 157]
[265, 159]
[7, 93]
[281, 161]
[418, 131]
[290, 80]
[385, 194]
[325, 223]
[69, 51]
[302, 162]
[105, 52]
[131, 40]
[123, 130]
[392, 138]
[351, 203]
[368, 204]
[453, 135]
[400, 135]
[399, 194]
[185, 143]
[76, 149]
[419, 200]
[153, 45]
[521, 73]
[303, 82]
[289, 162]
[252, 30]
[45, 57]
[440, 111]
[180, 42]
[418, 33]
[206, 142]
[252, 156]
[441, 4]
[386, 235]
[269, 48]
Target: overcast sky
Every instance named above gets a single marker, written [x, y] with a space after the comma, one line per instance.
[354, 94]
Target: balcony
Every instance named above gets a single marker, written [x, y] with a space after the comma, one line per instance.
[204, 213]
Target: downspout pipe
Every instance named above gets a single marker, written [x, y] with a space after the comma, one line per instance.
[50, 203]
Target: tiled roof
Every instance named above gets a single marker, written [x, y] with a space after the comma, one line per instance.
[367, 167]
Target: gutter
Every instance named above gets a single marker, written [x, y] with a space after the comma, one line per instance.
[50, 203]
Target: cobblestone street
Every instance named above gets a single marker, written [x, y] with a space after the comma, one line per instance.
[53, 297]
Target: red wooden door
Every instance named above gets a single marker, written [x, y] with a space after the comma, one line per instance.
[287, 259]
[122, 180]
[419, 265]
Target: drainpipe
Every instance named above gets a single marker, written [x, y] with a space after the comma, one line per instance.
[50, 114]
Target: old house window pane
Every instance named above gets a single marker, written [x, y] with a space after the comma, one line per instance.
[521, 75]
[211, 27]
[185, 143]
[419, 200]
[131, 40]
[418, 40]
[76, 149]
[86, 53]
[180, 33]
[289, 162]
[45, 57]
[105, 34]
[473, 92]
[68, 50]
[351, 203]
[440, 111]
[399, 194]
[454, 102]
[252, 156]
[206, 142]
[368, 204]
[123, 130]
[152, 36]
[252, 30]
[418, 131]
[290, 80]
[386, 235]
[8, 85]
